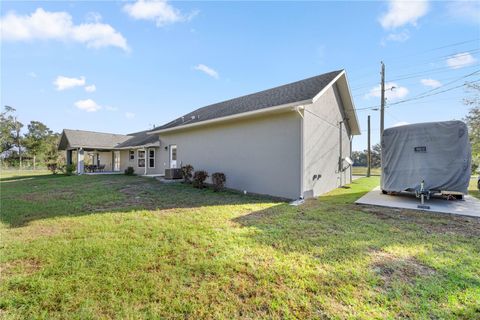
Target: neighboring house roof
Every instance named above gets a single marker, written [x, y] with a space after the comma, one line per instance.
[303, 91]
[72, 139]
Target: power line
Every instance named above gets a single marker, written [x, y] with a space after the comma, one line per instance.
[420, 96]
[363, 75]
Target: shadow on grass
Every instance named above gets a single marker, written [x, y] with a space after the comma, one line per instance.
[30, 177]
[29, 198]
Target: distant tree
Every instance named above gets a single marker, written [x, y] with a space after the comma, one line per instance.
[359, 158]
[53, 159]
[36, 139]
[473, 122]
[9, 129]
[376, 155]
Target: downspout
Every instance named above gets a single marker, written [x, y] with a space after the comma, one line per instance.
[350, 155]
[302, 165]
[340, 169]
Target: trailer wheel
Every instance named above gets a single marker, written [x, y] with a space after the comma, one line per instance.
[384, 192]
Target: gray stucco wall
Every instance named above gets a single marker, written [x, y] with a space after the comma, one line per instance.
[322, 147]
[126, 162]
[260, 155]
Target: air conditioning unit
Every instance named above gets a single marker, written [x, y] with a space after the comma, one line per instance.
[174, 173]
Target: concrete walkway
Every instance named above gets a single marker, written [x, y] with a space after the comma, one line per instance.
[470, 206]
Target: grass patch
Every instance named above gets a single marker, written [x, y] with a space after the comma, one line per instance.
[129, 247]
[362, 171]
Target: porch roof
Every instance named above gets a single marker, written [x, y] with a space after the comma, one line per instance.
[72, 139]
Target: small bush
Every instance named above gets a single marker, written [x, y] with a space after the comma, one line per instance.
[53, 167]
[187, 173]
[199, 179]
[218, 180]
[69, 169]
[129, 171]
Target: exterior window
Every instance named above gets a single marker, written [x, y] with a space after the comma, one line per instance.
[131, 155]
[151, 158]
[141, 158]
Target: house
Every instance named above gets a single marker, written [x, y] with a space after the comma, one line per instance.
[290, 141]
[112, 152]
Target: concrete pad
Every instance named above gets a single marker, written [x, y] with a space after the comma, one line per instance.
[470, 206]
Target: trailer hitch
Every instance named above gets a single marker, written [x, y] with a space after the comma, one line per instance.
[422, 194]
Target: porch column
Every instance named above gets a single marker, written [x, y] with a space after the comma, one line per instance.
[80, 164]
[69, 157]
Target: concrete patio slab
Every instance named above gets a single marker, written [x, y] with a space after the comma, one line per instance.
[470, 206]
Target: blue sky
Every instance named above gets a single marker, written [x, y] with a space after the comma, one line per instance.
[125, 66]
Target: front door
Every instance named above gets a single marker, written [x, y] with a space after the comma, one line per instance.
[116, 161]
[173, 156]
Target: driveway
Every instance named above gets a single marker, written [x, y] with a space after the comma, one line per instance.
[470, 206]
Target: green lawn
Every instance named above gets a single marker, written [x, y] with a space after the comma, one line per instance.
[362, 171]
[92, 247]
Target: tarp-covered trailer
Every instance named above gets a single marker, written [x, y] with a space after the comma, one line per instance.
[426, 158]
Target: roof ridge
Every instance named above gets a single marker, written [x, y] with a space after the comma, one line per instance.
[97, 132]
[286, 93]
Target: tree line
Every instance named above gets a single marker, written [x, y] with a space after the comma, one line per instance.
[36, 147]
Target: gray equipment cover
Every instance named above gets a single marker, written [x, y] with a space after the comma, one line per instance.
[437, 152]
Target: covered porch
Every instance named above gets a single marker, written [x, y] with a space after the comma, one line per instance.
[90, 161]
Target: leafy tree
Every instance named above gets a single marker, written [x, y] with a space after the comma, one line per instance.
[36, 139]
[473, 122]
[9, 129]
[54, 160]
[360, 157]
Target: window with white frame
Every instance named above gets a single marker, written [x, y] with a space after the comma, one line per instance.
[151, 158]
[131, 155]
[141, 158]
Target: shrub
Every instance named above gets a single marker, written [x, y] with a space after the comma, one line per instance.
[69, 169]
[187, 173]
[129, 171]
[53, 167]
[218, 180]
[199, 179]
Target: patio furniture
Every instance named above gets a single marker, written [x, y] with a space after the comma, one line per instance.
[101, 167]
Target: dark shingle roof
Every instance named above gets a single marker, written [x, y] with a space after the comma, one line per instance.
[139, 139]
[101, 140]
[288, 93]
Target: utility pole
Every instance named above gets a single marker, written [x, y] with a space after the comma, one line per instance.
[369, 154]
[382, 101]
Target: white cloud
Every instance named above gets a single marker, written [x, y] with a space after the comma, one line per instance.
[87, 105]
[432, 83]
[468, 11]
[392, 91]
[159, 11]
[207, 70]
[110, 108]
[401, 123]
[461, 60]
[129, 115]
[90, 88]
[399, 36]
[45, 25]
[63, 83]
[401, 12]
[32, 74]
